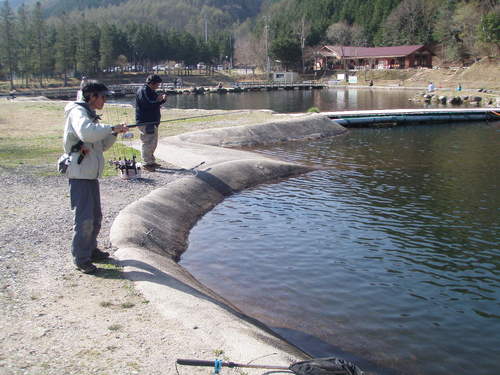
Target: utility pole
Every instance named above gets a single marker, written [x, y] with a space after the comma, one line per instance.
[230, 51]
[346, 72]
[206, 28]
[268, 62]
[302, 43]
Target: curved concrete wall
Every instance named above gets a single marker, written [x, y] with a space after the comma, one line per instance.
[152, 232]
[172, 211]
[298, 127]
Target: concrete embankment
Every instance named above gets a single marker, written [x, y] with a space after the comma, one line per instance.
[152, 233]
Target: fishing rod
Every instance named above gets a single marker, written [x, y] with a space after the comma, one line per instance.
[178, 119]
[315, 366]
[217, 363]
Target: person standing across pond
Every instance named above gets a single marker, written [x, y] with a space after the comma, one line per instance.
[79, 93]
[147, 112]
[85, 140]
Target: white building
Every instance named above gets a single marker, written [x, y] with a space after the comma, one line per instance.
[285, 77]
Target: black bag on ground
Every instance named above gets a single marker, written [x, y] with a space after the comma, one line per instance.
[325, 366]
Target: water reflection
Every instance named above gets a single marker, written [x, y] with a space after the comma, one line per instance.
[392, 254]
[334, 99]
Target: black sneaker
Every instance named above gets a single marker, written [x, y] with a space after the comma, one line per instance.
[149, 167]
[98, 254]
[87, 268]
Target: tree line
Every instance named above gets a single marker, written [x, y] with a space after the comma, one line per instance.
[93, 35]
[33, 49]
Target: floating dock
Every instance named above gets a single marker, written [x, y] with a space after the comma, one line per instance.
[130, 89]
[395, 117]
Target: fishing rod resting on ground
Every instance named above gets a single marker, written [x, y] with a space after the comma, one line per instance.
[317, 366]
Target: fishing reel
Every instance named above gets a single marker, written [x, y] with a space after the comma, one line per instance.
[129, 169]
[128, 135]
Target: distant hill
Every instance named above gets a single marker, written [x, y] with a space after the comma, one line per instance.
[57, 7]
[15, 3]
[185, 15]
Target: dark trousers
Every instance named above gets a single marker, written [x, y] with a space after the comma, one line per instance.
[86, 205]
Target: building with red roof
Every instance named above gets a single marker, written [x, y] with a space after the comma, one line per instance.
[350, 57]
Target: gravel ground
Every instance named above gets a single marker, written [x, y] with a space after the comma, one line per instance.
[56, 320]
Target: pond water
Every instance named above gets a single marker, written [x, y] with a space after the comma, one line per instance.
[333, 99]
[389, 256]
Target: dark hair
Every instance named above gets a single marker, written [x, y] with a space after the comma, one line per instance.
[93, 88]
[153, 78]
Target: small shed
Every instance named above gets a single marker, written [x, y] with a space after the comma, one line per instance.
[285, 77]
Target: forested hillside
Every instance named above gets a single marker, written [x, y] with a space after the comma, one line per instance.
[181, 15]
[61, 37]
[58, 7]
[16, 3]
[462, 29]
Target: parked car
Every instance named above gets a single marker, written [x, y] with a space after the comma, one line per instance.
[201, 66]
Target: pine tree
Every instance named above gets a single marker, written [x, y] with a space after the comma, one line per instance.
[24, 32]
[7, 41]
[39, 43]
[106, 47]
[87, 47]
[64, 50]
[49, 66]
[188, 49]
[489, 30]
[286, 49]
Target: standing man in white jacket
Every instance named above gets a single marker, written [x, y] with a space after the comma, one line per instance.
[85, 140]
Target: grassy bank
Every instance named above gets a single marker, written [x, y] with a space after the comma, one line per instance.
[482, 74]
[31, 132]
[30, 135]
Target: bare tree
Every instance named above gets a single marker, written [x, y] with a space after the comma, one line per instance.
[249, 50]
[243, 52]
[339, 33]
[304, 29]
[342, 33]
[358, 36]
[487, 5]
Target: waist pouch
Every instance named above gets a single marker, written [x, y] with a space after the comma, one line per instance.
[63, 163]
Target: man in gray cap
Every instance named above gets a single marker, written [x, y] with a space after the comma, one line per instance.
[147, 112]
[85, 140]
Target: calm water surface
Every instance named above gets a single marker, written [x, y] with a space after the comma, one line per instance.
[334, 99]
[390, 256]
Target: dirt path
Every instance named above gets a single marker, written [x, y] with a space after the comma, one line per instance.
[56, 320]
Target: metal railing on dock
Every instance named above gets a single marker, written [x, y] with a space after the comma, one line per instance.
[269, 86]
[387, 118]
